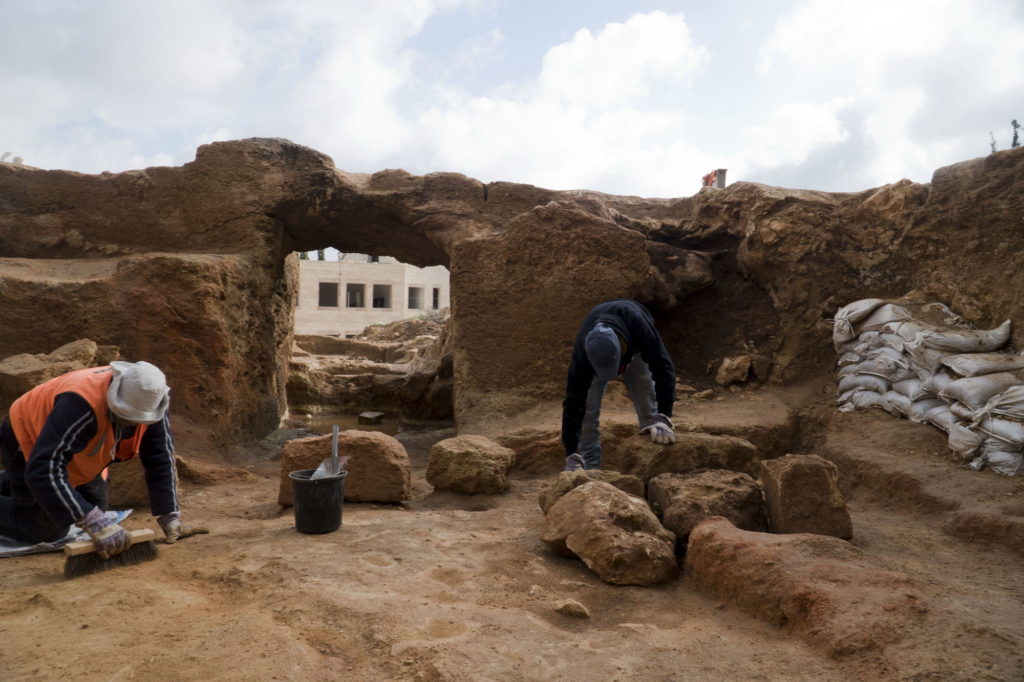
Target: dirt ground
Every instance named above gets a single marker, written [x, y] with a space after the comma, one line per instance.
[456, 587]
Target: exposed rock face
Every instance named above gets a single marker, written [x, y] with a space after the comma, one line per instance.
[199, 256]
[616, 535]
[820, 588]
[802, 494]
[684, 500]
[23, 372]
[378, 467]
[470, 464]
[568, 480]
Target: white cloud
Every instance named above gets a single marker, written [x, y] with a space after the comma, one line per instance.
[622, 61]
[793, 132]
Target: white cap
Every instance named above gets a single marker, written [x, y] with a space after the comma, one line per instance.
[138, 392]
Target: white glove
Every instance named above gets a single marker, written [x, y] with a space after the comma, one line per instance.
[574, 462]
[662, 430]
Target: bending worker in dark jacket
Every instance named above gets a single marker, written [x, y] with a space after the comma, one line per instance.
[60, 437]
[616, 337]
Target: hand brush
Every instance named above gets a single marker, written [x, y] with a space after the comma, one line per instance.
[83, 560]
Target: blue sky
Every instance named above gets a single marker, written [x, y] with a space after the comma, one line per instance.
[622, 97]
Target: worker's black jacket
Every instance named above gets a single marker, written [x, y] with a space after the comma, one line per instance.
[69, 428]
[635, 325]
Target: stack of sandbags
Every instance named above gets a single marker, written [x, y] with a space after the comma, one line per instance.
[923, 362]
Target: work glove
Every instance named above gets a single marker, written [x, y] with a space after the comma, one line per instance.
[174, 530]
[662, 430]
[574, 462]
[110, 538]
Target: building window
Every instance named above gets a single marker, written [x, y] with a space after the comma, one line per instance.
[355, 295]
[328, 294]
[415, 298]
[437, 298]
[381, 295]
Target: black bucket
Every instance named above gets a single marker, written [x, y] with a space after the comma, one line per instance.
[317, 501]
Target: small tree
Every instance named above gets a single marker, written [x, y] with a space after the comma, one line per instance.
[321, 254]
[303, 255]
[992, 141]
[1016, 139]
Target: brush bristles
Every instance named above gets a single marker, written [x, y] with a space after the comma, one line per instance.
[84, 564]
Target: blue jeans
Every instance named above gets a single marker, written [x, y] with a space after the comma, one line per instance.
[640, 386]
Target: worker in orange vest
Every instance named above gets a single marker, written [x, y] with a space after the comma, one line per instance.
[59, 439]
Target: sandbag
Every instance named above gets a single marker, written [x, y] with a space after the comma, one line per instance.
[842, 326]
[1006, 430]
[919, 409]
[879, 340]
[895, 403]
[962, 412]
[906, 329]
[882, 315]
[848, 358]
[963, 441]
[940, 417]
[979, 364]
[975, 340]
[936, 382]
[999, 457]
[926, 360]
[1009, 403]
[976, 391]
[911, 388]
[880, 367]
[867, 382]
[859, 399]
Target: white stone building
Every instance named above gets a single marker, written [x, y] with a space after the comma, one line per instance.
[343, 297]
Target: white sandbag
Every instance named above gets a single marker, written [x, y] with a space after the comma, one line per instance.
[999, 457]
[842, 326]
[880, 367]
[859, 400]
[940, 417]
[867, 382]
[1006, 430]
[962, 412]
[911, 388]
[906, 329]
[976, 391]
[860, 343]
[963, 441]
[848, 357]
[926, 360]
[979, 364]
[936, 382]
[895, 403]
[1009, 403]
[879, 340]
[974, 340]
[882, 315]
[919, 409]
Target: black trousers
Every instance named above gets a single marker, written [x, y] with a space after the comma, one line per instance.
[21, 517]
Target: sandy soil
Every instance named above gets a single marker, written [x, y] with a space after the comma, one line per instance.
[447, 587]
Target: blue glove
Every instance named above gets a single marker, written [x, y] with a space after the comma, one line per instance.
[110, 538]
[662, 430]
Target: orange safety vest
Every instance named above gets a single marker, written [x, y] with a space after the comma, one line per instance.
[28, 414]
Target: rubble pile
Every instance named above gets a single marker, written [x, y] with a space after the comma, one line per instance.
[923, 362]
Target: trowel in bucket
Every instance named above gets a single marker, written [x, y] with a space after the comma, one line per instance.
[332, 466]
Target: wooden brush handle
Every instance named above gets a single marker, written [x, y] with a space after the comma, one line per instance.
[86, 546]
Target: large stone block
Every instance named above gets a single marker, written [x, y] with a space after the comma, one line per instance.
[567, 480]
[802, 495]
[378, 466]
[638, 456]
[616, 535]
[820, 588]
[684, 500]
[470, 464]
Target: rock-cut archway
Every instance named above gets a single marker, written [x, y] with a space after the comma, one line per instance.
[190, 266]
